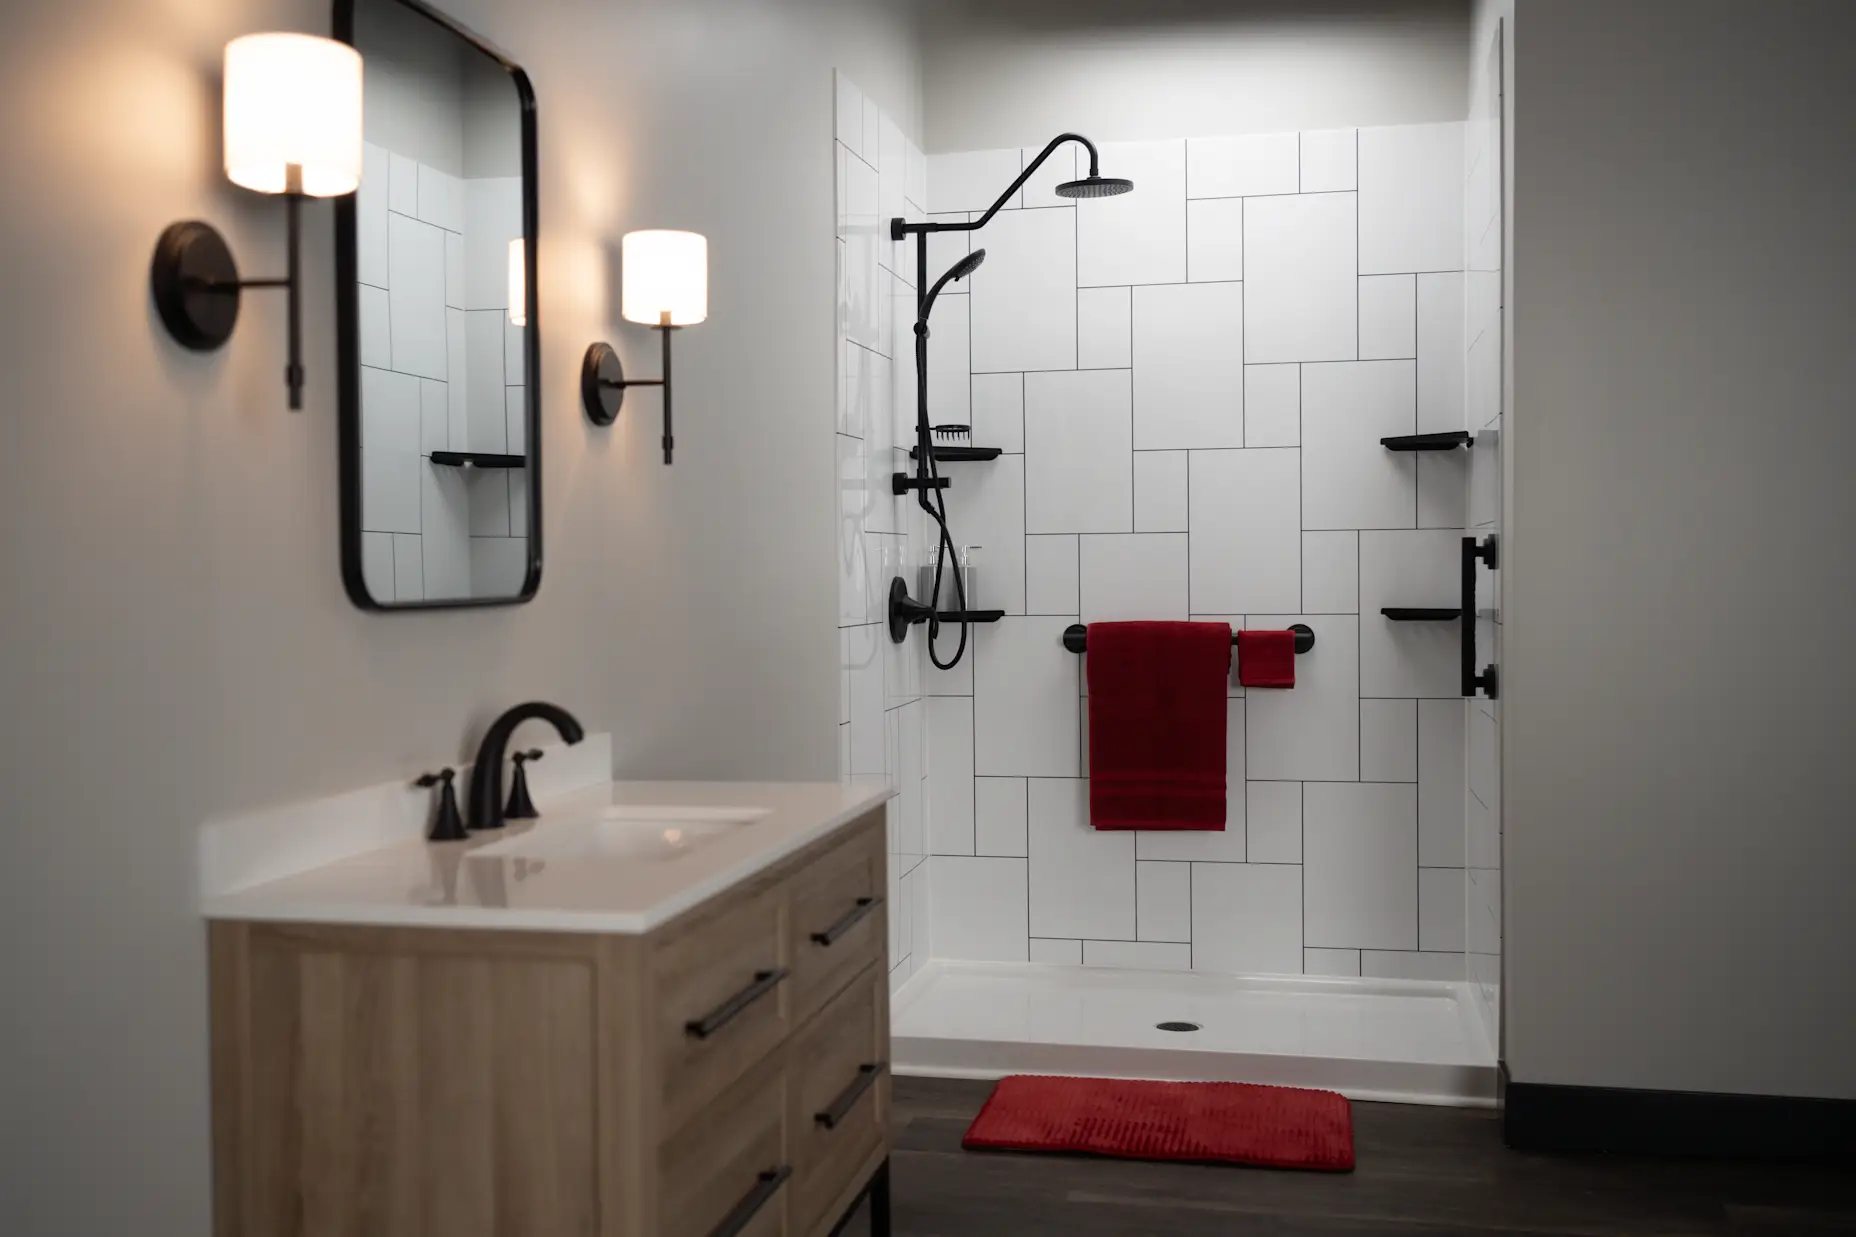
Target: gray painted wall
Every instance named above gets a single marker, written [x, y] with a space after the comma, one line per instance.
[1017, 72]
[1679, 665]
[177, 645]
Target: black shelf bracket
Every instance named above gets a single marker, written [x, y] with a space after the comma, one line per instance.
[1076, 637]
[1449, 440]
[1420, 614]
[902, 483]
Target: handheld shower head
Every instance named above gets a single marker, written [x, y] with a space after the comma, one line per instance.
[959, 270]
[1094, 186]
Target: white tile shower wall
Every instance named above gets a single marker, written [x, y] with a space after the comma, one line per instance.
[1192, 430]
[887, 726]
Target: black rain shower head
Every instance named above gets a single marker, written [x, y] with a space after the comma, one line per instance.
[1095, 187]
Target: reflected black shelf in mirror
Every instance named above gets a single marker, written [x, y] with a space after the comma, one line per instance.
[1421, 614]
[955, 455]
[1449, 440]
[970, 616]
[478, 459]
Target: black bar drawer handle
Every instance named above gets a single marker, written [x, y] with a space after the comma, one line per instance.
[850, 920]
[725, 1013]
[847, 1099]
[765, 1188]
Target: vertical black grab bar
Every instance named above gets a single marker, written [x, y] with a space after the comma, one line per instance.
[1472, 681]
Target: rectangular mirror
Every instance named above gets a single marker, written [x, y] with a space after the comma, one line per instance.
[435, 265]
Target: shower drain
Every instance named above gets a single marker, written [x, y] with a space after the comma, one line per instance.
[1176, 1026]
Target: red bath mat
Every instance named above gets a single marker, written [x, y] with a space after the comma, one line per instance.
[1201, 1122]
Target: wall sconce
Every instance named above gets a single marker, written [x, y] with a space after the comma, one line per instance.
[293, 127]
[518, 282]
[664, 284]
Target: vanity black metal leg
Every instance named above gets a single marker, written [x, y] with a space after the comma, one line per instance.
[879, 1201]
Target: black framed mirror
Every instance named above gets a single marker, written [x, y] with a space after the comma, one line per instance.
[437, 324]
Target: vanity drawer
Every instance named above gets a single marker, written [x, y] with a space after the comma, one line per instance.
[730, 1170]
[839, 922]
[838, 1083]
[724, 994]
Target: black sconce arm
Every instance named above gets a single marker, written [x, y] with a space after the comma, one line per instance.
[603, 383]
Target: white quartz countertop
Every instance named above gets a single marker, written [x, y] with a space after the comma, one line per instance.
[450, 885]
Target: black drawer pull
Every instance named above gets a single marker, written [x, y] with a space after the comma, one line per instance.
[850, 920]
[751, 1203]
[723, 1014]
[847, 1099]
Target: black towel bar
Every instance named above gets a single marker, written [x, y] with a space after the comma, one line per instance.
[1076, 637]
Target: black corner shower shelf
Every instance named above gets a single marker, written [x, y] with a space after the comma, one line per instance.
[1449, 440]
[970, 616]
[956, 455]
[478, 459]
[1421, 614]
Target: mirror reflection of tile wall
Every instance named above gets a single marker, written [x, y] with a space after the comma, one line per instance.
[441, 365]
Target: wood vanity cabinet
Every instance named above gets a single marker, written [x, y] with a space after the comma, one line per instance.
[724, 1073]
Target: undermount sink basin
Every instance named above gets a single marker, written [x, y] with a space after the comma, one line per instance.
[626, 831]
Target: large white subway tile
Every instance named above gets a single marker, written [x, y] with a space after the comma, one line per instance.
[403, 193]
[1211, 845]
[1389, 740]
[441, 199]
[1138, 955]
[1350, 480]
[1440, 782]
[488, 494]
[376, 335]
[370, 207]
[1411, 198]
[1056, 952]
[390, 451]
[1163, 893]
[1331, 962]
[1331, 572]
[856, 398]
[416, 296]
[854, 569]
[1215, 239]
[457, 375]
[1052, 570]
[1160, 491]
[1443, 489]
[1128, 577]
[1409, 567]
[979, 908]
[444, 519]
[408, 568]
[909, 774]
[950, 390]
[1025, 700]
[377, 565]
[849, 113]
[998, 411]
[1246, 551]
[1301, 293]
[1388, 318]
[1078, 472]
[1273, 822]
[454, 270]
[1247, 918]
[1104, 328]
[434, 416]
[1485, 771]
[1360, 841]
[1041, 189]
[862, 658]
[988, 510]
[1440, 352]
[492, 218]
[999, 816]
[1329, 161]
[497, 566]
[1272, 405]
[863, 285]
[1139, 237]
[1024, 297]
[1188, 369]
[486, 404]
[1311, 731]
[515, 417]
[1440, 909]
[919, 896]
[1244, 166]
[892, 169]
[971, 180]
[1082, 881]
[1410, 964]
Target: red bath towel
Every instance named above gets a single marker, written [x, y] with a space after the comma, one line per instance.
[1266, 658]
[1156, 724]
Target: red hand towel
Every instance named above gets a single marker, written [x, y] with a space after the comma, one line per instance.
[1266, 658]
[1156, 724]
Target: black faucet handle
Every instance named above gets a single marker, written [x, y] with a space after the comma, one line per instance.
[533, 753]
[520, 806]
[447, 822]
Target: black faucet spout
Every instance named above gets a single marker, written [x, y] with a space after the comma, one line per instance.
[486, 774]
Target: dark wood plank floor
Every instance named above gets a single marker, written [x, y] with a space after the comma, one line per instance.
[1420, 1171]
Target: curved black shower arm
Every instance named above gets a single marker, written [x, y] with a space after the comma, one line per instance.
[899, 228]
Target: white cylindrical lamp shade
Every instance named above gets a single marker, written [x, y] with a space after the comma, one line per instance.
[293, 100]
[664, 273]
[518, 282]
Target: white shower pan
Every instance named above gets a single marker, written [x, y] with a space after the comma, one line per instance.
[1404, 1041]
